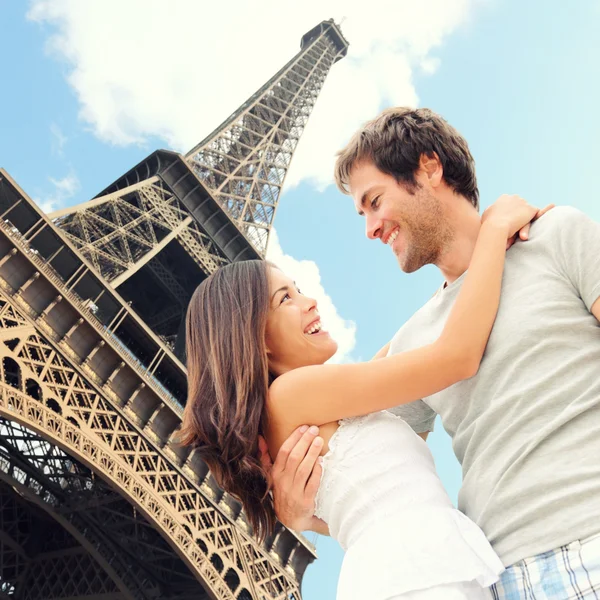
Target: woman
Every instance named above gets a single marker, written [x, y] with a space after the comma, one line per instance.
[256, 351]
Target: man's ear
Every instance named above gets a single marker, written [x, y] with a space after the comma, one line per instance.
[432, 168]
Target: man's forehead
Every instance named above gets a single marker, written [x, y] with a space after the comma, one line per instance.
[362, 180]
[361, 171]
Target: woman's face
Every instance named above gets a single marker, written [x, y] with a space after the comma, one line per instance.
[294, 335]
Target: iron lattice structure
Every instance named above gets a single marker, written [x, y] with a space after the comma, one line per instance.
[97, 499]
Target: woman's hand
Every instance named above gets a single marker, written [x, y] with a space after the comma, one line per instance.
[514, 213]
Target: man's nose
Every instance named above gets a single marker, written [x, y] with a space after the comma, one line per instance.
[374, 228]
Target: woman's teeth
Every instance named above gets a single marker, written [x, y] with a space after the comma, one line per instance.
[314, 328]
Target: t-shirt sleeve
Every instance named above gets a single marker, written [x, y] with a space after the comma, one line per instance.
[417, 414]
[578, 251]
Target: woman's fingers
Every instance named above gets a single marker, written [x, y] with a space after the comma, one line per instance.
[543, 211]
[510, 241]
[524, 231]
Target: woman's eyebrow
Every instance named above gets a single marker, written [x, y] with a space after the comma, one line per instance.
[285, 288]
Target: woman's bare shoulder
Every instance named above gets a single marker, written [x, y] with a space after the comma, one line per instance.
[283, 394]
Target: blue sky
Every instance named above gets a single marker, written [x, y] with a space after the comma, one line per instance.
[518, 79]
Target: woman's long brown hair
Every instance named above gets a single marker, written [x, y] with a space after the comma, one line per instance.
[228, 382]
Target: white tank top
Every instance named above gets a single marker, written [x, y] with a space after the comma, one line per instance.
[386, 506]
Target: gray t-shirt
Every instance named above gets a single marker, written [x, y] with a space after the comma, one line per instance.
[526, 428]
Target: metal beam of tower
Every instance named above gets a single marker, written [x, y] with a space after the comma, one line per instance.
[97, 497]
[177, 230]
[244, 162]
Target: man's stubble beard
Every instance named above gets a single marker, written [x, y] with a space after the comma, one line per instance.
[428, 233]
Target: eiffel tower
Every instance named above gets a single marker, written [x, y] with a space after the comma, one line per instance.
[97, 499]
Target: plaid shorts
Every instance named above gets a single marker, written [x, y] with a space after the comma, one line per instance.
[571, 572]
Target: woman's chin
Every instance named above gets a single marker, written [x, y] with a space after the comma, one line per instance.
[331, 349]
[321, 354]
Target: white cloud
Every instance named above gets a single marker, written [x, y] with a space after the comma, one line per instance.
[307, 276]
[59, 140]
[67, 186]
[175, 70]
[63, 190]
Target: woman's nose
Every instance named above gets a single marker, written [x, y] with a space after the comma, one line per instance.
[310, 304]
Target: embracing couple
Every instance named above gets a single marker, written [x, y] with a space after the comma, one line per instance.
[507, 352]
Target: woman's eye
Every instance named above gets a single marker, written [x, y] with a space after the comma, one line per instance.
[375, 202]
[285, 297]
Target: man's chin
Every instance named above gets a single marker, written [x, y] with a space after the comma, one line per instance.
[407, 265]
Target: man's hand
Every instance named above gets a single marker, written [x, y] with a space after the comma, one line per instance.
[295, 478]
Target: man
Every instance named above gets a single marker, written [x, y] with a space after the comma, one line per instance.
[526, 428]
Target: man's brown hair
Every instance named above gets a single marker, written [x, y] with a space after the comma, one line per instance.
[394, 142]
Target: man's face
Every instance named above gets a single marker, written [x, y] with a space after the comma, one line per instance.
[410, 222]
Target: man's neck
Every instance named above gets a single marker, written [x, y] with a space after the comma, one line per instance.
[465, 222]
